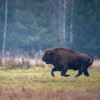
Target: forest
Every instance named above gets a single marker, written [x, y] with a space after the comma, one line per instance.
[27, 28]
[35, 25]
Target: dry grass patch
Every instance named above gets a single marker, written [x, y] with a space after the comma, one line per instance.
[22, 93]
[11, 63]
[96, 65]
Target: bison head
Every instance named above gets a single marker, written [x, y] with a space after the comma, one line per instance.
[47, 57]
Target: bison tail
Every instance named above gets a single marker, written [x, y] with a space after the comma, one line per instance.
[91, 61]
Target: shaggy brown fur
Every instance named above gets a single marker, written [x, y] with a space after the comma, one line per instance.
[64, 59]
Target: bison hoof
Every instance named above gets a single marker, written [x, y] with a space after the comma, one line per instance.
[77, 75]
[53, 75]
[65, 75]
[87, 75]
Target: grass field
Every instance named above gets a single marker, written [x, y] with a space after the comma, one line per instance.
[36, 83]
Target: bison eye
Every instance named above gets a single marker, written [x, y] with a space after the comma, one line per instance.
[50, 52]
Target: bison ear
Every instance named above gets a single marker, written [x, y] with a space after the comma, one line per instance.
[50, 52]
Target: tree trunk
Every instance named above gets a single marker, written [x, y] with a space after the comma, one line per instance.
[5, 26]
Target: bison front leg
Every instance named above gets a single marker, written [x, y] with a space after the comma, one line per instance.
[52, 72]
[63, 73]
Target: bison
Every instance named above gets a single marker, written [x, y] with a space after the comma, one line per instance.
[64, 59]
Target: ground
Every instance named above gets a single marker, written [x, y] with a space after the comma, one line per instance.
[36, 83]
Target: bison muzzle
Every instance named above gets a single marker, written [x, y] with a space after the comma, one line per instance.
[63, 59]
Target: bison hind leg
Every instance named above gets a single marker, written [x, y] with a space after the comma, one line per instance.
[86, 72]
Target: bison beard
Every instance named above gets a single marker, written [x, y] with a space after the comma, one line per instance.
[63, 59]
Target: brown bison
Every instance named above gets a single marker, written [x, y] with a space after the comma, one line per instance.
[63, 59]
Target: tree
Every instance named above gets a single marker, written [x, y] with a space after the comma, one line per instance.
[63, 17]
[86, 30]
[5, 26]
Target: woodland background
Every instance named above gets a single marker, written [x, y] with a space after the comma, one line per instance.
[35, 25]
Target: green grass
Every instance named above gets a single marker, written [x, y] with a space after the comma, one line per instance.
[40, 78]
